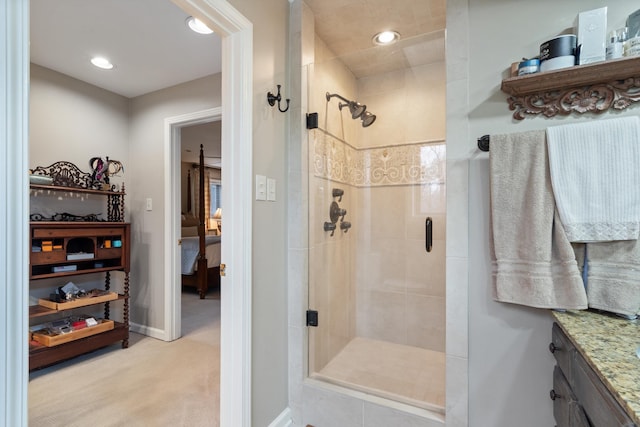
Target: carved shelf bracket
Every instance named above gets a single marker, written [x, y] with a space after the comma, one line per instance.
[587, 99]
[592, 88]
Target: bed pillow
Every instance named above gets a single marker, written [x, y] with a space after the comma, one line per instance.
[189, 231]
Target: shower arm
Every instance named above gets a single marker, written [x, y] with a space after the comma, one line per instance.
[331, 95]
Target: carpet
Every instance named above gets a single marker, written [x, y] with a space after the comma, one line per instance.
[151, 383]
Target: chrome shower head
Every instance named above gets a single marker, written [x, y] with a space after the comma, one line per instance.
[367, 119]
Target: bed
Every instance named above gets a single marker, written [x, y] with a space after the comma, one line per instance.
[200, 253]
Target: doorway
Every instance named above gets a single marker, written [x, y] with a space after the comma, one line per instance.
[173, 287]
[236, 314]
[237, 147]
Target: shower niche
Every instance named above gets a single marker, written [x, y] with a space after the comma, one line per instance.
[374, 180]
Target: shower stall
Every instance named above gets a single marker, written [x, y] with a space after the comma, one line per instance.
[376, 190]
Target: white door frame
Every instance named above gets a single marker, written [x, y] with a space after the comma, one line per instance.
[237, 77]
[172, 156]
[14, 210]
[237, 149]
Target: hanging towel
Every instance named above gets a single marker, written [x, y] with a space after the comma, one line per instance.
[594, 166]
[534, 263]
[614, 276]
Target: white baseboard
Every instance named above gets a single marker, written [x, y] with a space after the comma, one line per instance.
[283, 420]
[148, 331]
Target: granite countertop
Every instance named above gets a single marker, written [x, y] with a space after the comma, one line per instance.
[609, 345]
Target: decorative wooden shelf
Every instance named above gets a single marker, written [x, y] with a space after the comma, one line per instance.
[73, 238]
[581, 89]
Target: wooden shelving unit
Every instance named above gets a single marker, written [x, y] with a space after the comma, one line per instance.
[100, 254]
[592, 88]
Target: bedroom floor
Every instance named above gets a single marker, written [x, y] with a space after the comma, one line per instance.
[398, 372]
[151, 383]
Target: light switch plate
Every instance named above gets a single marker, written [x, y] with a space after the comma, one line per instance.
[261, 187]
[271, 189]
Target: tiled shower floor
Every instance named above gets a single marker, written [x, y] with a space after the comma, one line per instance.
[398, 372]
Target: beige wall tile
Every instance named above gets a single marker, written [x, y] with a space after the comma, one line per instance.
[426, 322]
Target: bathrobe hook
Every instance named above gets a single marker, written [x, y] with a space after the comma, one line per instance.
[271, 99]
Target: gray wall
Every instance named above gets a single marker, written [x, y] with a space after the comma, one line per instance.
[74, 121]
[146, 173]
[269, 296]
[510, 368]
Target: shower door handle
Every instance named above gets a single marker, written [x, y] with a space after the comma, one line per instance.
[428, 231]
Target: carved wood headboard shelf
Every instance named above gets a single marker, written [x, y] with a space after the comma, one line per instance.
[584, 88]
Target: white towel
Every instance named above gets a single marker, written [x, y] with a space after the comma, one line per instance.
[534, 263]
[595, 172]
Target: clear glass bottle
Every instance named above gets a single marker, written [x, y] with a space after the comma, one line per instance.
[616, 43]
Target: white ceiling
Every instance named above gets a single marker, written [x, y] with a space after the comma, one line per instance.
[152, 48]
[147, 40]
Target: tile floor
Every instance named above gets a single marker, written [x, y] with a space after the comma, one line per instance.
[398, 372]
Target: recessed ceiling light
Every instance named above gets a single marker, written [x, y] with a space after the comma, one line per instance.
[101, 62]
[198, 26]
[386, 37]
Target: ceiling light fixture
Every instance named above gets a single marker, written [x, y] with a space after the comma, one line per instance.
[386, 37]
[101, 62]
[198, 26]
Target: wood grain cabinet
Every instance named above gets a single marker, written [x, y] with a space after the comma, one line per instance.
[580, 398]
[62, 249]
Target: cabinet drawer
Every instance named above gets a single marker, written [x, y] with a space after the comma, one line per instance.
[600, 406]
[562, 350]
[102, 253]
[562, 398]
[567, 411]
[578, 417]
[44, 233]
[51, 257]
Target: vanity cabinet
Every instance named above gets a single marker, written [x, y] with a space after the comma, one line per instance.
[63, 249]
[580, 397]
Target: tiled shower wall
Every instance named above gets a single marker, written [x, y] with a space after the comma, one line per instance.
[397, 286]
[377, 280]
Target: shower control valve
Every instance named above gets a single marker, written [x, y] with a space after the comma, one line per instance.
[330, 226]
[345, 226]
[335, 212]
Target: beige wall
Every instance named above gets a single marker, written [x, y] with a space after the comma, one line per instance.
[410, 104]
[401, 287]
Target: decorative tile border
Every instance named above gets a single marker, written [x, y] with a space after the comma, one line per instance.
[405, 164]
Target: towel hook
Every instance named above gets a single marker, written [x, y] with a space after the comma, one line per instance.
[271, 99]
